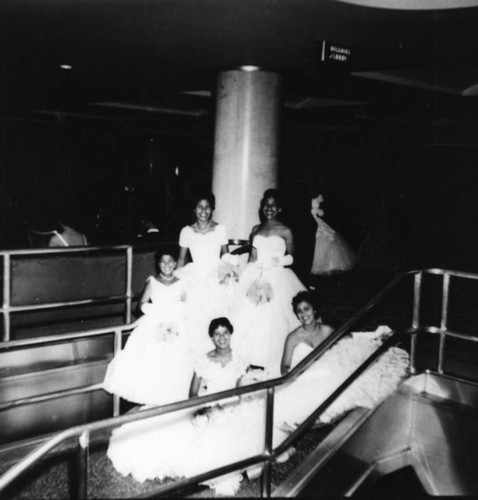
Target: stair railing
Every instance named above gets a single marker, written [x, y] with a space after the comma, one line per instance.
[82, 433]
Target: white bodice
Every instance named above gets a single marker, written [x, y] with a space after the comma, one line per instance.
[269, 247]
[205, 248]
[218, 378]
[300, 352]
[163, 295]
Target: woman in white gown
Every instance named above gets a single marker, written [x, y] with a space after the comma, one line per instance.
[188, 443]
[319, 381]
[209, 279]
[262, 314]
[332, 253]
[154, 367]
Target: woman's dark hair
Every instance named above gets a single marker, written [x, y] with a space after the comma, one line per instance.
[204, 195]
[217, 322]
[303, 297]
[272, 193]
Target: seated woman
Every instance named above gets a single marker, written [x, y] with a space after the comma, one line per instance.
[311, 333]
[295, 401]
[154, 366]
[187, 443]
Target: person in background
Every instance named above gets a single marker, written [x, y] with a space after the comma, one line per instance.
[149, 231]
[332, 254]
[66, 236]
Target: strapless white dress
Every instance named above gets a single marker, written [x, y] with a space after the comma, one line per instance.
[207, 296]
[296, 401]
[262, 313]
[154, 366]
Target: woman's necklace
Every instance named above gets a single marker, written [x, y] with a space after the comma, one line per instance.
[166, 278]
[204, 229]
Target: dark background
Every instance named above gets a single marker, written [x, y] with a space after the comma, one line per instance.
[390, 138]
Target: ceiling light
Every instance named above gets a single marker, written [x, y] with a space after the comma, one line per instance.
[66, 66]
[249, 68]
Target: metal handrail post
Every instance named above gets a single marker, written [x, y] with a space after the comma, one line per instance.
[129, 280]
[444, 321]
[6, 296]
[82, 465]
[417, 294]
[116, 350]
[269, 429]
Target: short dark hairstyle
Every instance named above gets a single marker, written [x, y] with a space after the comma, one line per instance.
[272, 193]
[303, 297]
[217, 322]
[166, 250]
[204, 195]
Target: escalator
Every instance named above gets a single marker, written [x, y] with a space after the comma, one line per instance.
[424, 433]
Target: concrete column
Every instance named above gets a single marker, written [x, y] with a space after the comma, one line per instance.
[246, 146]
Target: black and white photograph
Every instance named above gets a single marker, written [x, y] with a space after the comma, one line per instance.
[238, 249]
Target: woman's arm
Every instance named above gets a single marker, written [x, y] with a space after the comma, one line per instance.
[253, 252]
[289, 241]
[289, 346]
[195, 385]
[145, 295]
[183, 252]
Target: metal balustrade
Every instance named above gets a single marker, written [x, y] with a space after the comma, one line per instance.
[8, 309]
[83, 433]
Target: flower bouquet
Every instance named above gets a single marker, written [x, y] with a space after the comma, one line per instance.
[228, 270]
[260, 292]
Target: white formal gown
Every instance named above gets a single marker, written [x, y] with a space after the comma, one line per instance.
[154, 367]
[262, 313]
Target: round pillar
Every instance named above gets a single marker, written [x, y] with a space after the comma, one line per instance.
[245, 147]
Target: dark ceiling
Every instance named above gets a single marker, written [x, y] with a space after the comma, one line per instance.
[144, 60]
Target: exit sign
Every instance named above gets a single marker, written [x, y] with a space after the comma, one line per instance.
[334, 54]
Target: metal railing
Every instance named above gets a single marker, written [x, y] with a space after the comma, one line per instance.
[8, 309]
[117, 331]
[83, 433]
[442, 330]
